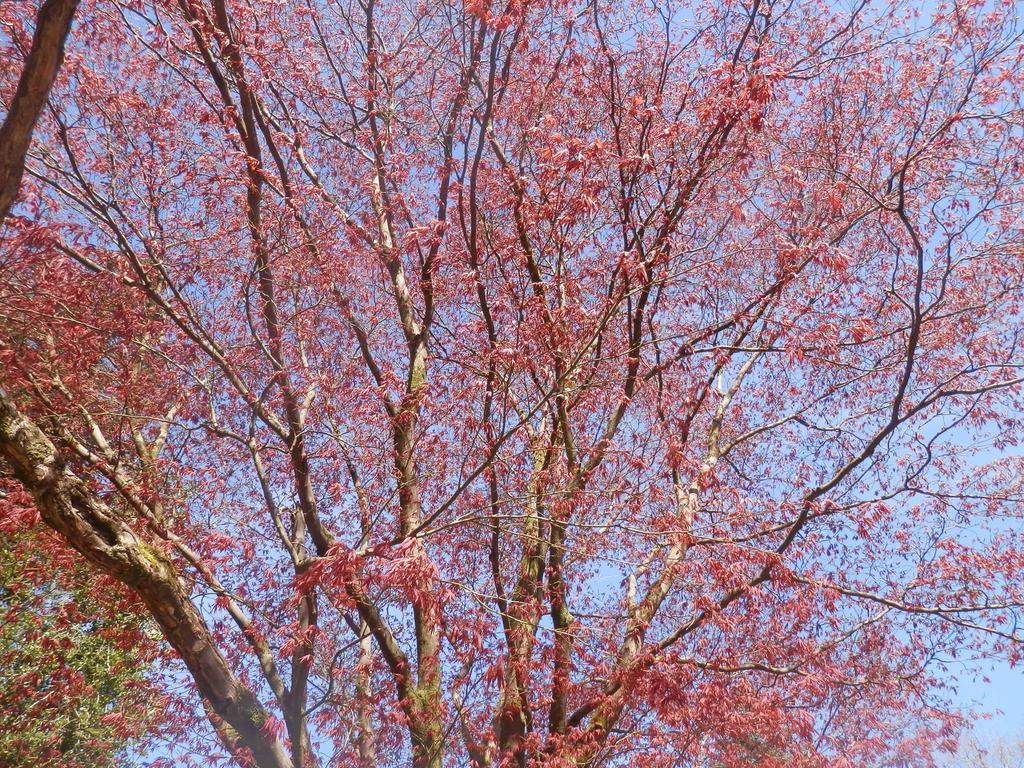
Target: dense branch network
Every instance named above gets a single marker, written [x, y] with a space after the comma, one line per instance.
[528, 384]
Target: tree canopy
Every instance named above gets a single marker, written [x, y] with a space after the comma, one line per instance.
[73, 692]
[528, 383]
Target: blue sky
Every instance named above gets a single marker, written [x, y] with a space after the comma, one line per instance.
[1003, 691]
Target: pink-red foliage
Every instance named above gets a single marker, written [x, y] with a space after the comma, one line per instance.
[547, 383]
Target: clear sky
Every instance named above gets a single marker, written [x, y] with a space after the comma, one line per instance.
[1004, 691]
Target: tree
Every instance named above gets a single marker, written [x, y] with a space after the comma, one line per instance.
[72, 686]
[989, 753]
[43, 61]
[550, 383]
